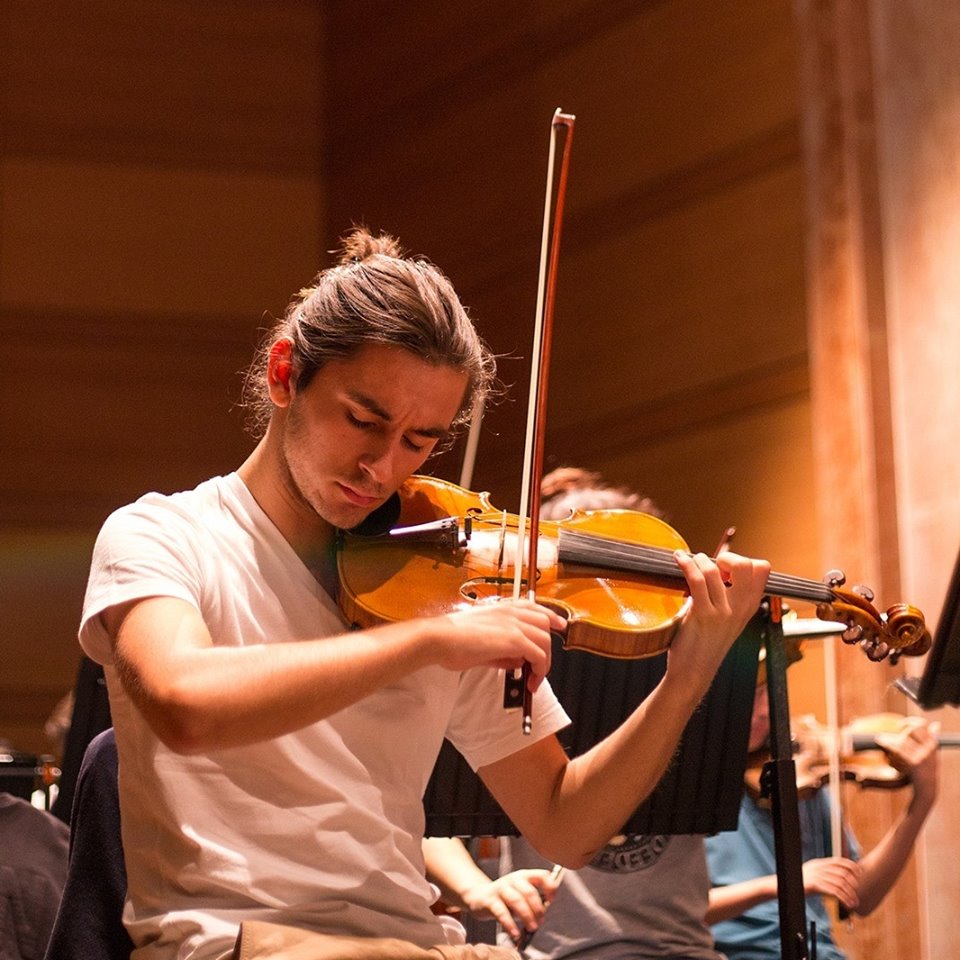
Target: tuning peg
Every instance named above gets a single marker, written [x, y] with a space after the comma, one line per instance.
[876, 650]
[864, 592]
[835, 578]
[853, 633]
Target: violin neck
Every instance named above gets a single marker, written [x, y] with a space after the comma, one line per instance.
[591, 550]
[868, 741]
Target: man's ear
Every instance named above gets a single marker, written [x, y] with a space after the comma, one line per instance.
[279, 371]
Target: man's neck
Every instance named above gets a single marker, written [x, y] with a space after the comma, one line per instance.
[312, 538]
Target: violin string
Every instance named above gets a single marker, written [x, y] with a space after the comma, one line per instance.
[601, 551]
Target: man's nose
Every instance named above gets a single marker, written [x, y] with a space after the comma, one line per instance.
[377, 461]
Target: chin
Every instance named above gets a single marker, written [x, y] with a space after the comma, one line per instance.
[344, 517]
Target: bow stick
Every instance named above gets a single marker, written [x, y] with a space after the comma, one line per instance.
[537, 402]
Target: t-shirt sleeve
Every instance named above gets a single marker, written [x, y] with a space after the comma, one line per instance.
[484, 732]
[143, 550]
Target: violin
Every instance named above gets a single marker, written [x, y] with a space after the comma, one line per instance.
[862, 760]
[611, 573]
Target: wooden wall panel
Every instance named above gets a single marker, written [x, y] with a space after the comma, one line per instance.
[702, 293]
[43, 574]
[227, 83]
[106, 237]
[742, 471]
[133, 404]
[159, 194]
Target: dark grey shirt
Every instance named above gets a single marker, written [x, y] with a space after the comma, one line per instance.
[33, 867]
[641, 897]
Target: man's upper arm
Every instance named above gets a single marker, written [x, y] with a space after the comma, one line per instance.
[525, 785]
[143, 550]
[111, 619]
[151, 639]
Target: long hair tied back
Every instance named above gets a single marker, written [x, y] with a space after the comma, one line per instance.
[375, 294]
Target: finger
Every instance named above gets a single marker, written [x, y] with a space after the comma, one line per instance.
[538, 661]
[505, 918]
[528, 910]
[894, 746]
[833, 881]
[531, 640]
[541, 616]
[850, 894]
[925, 739]
[547, 883]
[703, 577]
[557, 621]
[847, 895]
[534, 619]
[746, 575]
[713, 579]
[902, 752]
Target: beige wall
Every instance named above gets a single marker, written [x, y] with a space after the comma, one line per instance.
[919, 144]
[881, 152]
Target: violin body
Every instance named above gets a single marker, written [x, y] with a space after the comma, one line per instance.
[861, 760]
[612, 573]
[616, 613]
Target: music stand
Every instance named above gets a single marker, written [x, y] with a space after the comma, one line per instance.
[779, 784]
[91, 715]
[700, 792]
[939, 683]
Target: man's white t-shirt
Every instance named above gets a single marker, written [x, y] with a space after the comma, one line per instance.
[320, 828]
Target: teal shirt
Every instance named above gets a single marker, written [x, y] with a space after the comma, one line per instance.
[748, 852]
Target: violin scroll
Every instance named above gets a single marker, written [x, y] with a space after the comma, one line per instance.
[901, 631]
[906, 623]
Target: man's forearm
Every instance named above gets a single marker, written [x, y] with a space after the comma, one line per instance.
[568, 809]
[885, 862]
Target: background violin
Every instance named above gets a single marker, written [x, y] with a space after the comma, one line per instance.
[611, 573]
[862, 760]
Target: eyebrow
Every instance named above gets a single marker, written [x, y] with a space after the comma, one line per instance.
[368, 403]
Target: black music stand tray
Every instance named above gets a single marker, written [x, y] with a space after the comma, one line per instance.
[700, 792]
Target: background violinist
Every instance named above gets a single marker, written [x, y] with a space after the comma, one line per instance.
[272, 763]
[742, 863]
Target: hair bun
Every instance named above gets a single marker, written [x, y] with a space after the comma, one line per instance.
[359, 245]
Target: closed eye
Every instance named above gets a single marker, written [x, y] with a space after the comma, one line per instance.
[415, 447]
[359, 424]
[371, 424]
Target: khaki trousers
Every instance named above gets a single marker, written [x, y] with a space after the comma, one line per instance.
[272, 941]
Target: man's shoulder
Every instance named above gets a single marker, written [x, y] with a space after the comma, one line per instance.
[188, 505]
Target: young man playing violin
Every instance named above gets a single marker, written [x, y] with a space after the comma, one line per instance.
[742, 863]
[272, 764]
